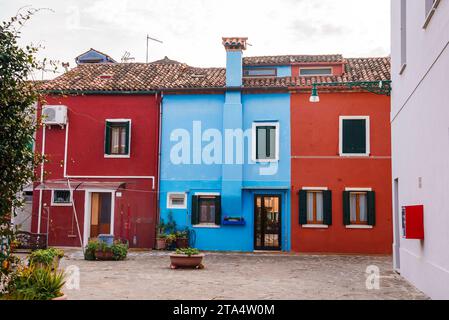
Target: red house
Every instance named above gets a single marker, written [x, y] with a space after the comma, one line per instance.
[341, 158]
[101, 141]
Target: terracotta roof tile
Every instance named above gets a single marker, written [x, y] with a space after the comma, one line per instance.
[164, 76]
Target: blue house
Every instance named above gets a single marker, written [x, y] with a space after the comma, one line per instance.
[225, 157]
[93, 56]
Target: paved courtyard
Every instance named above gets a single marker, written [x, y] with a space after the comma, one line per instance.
[146, 275]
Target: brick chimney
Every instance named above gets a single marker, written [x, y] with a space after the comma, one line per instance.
[234, 50]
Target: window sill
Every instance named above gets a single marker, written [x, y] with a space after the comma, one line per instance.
[430, 14]
[206, 226]
[177, 208]
[354, 226]
[266, 160]
[61, 204]
[107, 156]
[315, 226]
[354, 155]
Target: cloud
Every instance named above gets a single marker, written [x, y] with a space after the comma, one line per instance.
[192, 30]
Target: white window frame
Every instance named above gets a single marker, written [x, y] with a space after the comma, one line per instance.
[254, 141]
[56, 204]
[171, 206]
[316, 68]
[121, 156]
[431, 13]
[368, 137]
[358, 226]
[315, 226]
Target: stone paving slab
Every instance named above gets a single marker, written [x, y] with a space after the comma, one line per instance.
[146, 275]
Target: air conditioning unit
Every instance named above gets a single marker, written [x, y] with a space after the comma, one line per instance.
[54, 115]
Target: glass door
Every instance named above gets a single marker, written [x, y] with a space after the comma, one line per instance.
[267, 222]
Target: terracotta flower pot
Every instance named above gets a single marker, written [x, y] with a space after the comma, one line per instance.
[161, 244]
[182, 243]
[104, 255]
[63, 297]
[187, 262]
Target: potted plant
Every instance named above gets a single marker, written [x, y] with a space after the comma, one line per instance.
[189, 258]
[46, 258]
[182, 239]
[161, 243]
[91, 248]
[104, 252]
[35, 283]
[119, 250]
[171, 241]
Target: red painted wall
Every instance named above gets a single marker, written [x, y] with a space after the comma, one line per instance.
[136, 210]
[316, 163]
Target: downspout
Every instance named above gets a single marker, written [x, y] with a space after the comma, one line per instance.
[158, 217]
[39, 216]
[65, 148]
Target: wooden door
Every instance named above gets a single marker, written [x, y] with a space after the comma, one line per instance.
[100, 214]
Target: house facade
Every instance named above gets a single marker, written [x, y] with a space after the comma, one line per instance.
[237, 155]
[419, 121]
[226, 156]
[101, 170]
[341, 165]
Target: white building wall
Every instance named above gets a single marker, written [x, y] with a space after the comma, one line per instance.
[420, 133]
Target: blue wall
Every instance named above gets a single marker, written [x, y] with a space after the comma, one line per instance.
[282, 71]
[222, 112]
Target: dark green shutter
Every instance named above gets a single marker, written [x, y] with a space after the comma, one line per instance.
[128, 138]
[302, 207]
[371, 208]
[218, 210]
[346, 209]
[107, 138]
[195, 215]
[354, 136]
[327, 208]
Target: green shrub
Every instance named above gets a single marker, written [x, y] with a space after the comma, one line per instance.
[119, 251]
[45, 257]
[31, 283]
[89, 251]
[188, 251]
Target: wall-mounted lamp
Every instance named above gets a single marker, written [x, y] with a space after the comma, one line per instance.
[314, 98]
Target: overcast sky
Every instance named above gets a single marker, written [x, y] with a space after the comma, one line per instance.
[192, 29]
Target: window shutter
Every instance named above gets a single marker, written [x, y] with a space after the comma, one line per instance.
[327, 207]
[302, 207]
[371, 208]
[107, 139]
[218, 210]
[195, 215]
[128, 138]
[346, 209]
[354, 136]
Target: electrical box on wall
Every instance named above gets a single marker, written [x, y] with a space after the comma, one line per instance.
[413, 222]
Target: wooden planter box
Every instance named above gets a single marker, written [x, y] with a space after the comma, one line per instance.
[186, 262]
[161, 244]
[104, 255]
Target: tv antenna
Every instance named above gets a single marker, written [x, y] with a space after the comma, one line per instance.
[127, 57]
[152, 39]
